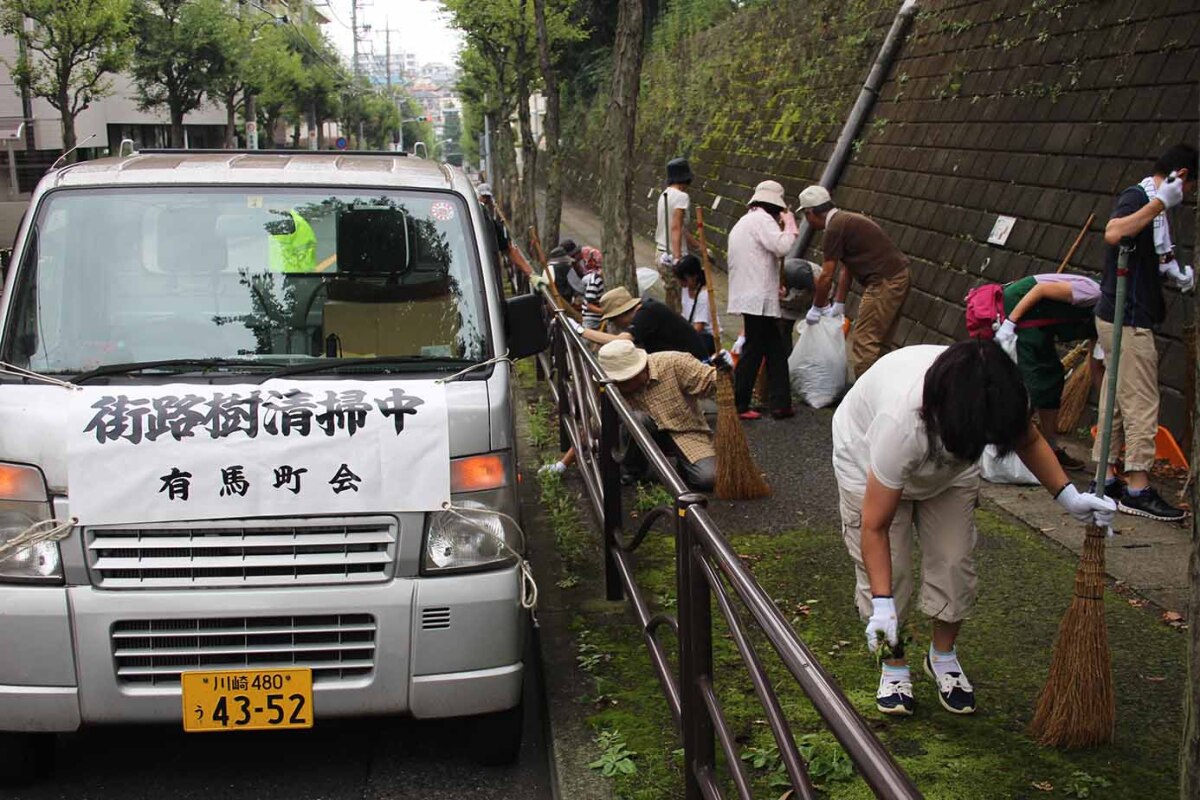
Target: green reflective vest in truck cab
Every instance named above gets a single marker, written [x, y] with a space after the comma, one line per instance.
[295, 251]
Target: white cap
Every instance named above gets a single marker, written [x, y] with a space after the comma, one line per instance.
[814, 196]
[483, 190]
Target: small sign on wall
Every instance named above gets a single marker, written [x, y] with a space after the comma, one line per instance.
[1001, 230]
[716, 202]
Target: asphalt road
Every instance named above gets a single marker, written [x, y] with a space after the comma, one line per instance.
[373, 759]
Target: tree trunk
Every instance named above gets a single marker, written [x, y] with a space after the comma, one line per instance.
[506, 182]
[231, 122]
[1189, 751]
[528, 178]
[68, 127]
[176, 129]
[617, 152]
[553, 213]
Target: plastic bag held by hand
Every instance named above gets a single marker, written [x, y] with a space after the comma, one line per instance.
[817, 365]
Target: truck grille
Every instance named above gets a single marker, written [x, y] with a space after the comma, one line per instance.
[267, 553]
[153, 652]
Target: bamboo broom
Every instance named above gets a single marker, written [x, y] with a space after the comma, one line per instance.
[738, 477]
[1079, 385]
[1077, 707]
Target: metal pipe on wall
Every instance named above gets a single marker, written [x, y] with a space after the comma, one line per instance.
[861, 112]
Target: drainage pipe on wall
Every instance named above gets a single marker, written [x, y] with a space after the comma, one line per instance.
[861, 111]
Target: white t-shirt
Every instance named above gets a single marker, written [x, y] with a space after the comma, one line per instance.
[878, 428]
[701, 313]
[675, 199]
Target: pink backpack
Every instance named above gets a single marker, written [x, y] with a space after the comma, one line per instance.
[985, 312]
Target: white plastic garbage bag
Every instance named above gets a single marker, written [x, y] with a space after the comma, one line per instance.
[1009, 469]
[650, 284]
[817, 365]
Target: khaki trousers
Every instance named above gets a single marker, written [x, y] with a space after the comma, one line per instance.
[878, 313]
[945, 525]
[1135, 419]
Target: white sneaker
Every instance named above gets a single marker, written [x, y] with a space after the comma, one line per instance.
[895, 697]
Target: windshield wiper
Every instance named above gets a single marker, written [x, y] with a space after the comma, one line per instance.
[174, 363]
[332, 365]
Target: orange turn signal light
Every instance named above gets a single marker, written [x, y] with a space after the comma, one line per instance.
[20, 482]
[478, 473]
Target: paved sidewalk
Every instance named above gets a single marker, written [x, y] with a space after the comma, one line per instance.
[1149, 557]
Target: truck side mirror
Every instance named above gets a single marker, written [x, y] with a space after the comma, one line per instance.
[525, 325]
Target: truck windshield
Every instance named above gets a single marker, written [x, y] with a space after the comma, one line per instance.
[134, 275]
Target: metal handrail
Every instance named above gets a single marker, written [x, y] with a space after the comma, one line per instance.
[591, 413]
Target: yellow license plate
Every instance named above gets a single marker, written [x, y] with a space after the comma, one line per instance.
[247, 700]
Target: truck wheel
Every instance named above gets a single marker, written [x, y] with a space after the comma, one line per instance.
[25, 757]
[495, 739]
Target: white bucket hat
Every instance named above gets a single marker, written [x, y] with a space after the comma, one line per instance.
[622, 359]
[769, 192]
[814, 196]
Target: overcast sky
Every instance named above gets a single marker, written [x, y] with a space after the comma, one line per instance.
[418, 26]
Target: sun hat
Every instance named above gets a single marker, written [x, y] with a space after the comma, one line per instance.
[622, 359]
[484, 190]
[769, 192]
[814, 196]
[569, 247]
[616, 302]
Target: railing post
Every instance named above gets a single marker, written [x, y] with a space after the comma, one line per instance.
[610, 486]
[564, 403]
[695, 651]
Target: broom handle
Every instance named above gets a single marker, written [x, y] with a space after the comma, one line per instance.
[1071, 253]
[708, 279]
[1123, 252]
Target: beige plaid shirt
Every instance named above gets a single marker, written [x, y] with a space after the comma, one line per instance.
[670, 398]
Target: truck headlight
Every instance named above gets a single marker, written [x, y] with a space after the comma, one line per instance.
[24, 501]
[469, 536]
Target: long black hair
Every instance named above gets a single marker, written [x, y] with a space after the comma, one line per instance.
[974, 396]
[688, 266]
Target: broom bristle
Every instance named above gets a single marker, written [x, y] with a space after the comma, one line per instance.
[1077, 707]
[738, 477]
[1074, 399]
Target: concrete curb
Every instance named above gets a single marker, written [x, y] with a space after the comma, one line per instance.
[568, 736]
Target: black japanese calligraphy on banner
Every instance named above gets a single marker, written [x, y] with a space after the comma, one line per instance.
[294, 412]
[146, 453]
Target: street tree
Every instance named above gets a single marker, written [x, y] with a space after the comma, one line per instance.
[323, 81]
[555, 31]
[177, 53]
[70, 47]
[252, 50]
[616, 156]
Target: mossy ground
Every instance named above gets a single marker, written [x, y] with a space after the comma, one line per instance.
[1025, 585]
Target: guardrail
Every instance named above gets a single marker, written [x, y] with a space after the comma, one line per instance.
[591, 412]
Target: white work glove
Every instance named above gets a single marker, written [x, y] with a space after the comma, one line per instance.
[738, 344]
[538, 280]
[1182, 279]
[814, 314]
[1087, 507]
[575, 326]
[1170, 191]
[723, 360]
[883, 620]
[837, 310]
[666, 260]
[1006, 337]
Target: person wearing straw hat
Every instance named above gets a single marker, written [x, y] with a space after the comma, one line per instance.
[907, 439]
[756, 243]
[666, 389]
[1140, 214]
[645, 322]
[868, 254]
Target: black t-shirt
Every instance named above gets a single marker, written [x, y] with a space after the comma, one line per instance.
[1144, 304]
[656, 328]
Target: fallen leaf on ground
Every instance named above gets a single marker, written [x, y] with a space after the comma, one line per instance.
[1172, 617]
[1156, 678]
[1138, 602]
[1043, 786]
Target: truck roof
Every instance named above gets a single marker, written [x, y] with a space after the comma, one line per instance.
[284, 167]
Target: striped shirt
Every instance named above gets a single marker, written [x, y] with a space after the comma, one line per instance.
[593, 287]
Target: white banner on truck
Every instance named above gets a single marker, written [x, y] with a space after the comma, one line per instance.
[146, 453]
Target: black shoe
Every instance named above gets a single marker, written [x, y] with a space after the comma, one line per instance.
[1149, 504]
[895, 698]
[954, 690]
